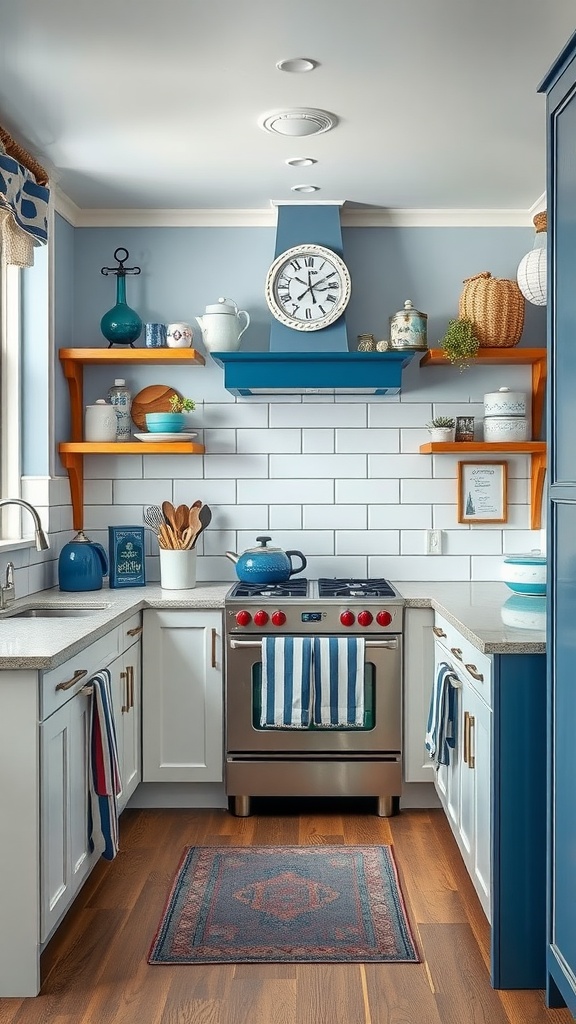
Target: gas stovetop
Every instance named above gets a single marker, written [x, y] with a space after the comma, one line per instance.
[307, 606]
[325, 589]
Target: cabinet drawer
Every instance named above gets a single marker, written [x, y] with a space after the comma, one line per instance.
[475, 666]
[130, 631]
[96, 656]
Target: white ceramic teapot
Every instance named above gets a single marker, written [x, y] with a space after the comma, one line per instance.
[221, 326]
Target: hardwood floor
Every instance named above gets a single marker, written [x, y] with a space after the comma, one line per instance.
[95, 969]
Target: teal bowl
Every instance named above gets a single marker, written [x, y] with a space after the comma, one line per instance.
[165, 422]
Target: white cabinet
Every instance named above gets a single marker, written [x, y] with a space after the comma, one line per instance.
[182, 687]
[66, 858]
[464, 785]
[126, 673]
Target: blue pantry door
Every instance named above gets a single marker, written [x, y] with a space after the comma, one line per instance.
[560, 86]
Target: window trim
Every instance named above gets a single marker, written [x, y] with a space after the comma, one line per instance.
[10, 433]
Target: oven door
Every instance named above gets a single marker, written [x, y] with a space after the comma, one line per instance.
[380, 733]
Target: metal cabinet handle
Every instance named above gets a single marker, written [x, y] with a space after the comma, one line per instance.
[135, 631]
[471, 741]
[438, 630]
[131, 671]
[457, 652]
[214, 637]
[474, 673]
[390, 645]
[79, 674]
[126, 704]
[466, 736]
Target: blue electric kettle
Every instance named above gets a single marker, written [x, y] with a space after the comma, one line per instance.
[82, 564]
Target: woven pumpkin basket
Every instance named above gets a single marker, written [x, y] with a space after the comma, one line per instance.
[495, 305]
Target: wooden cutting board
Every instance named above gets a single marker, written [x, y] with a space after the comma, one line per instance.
[155, 398]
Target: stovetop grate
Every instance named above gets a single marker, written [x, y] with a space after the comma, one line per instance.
[291, 588]
[355, 588]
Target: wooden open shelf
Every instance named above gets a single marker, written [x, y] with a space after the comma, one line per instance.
[536, 357]
[72, 452]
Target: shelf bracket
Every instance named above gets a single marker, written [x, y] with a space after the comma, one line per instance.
[537, 474]
[73, 464]
[74, 376]
[538, 394]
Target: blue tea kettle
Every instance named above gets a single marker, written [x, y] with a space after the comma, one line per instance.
[82, 564]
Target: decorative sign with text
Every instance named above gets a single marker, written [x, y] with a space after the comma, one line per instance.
[482, 492]
[126, 552]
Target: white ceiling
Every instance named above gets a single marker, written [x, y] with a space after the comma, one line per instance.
[155, 105]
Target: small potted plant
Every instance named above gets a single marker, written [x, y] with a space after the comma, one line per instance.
[442, 428]
[460, 343]
[170, 422]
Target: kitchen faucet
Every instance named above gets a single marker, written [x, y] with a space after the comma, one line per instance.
[7, 591]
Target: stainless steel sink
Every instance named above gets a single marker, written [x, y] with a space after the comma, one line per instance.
[55, 613]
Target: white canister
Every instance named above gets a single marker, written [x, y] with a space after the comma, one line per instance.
[177, 569]
[505, 428]
[100, 422]
[179, 335]
[505, 403]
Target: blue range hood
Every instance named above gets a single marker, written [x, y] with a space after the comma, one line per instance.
[313, 373]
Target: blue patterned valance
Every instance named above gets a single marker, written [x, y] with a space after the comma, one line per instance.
[26, 200]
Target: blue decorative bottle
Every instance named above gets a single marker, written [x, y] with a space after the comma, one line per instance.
[121, 325]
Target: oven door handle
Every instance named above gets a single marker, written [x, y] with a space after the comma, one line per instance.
[388, 644]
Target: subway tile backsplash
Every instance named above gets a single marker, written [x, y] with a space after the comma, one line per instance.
[341, 481]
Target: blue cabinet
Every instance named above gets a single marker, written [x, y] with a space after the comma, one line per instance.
[560, 88]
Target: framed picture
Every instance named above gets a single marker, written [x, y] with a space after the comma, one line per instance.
[482, 492]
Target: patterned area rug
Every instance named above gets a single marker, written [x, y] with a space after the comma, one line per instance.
[285, 904]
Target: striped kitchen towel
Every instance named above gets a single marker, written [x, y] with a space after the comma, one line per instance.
[105, 782]
[442, 716]
[338, 681]
[286, 682]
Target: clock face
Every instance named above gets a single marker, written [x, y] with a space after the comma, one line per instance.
[308, 287]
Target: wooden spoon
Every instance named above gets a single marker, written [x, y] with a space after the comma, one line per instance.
[169, 513]
[181, 517]
[194, 523]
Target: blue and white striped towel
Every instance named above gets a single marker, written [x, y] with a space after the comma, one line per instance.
[442, 716]
[105, 782]
[286, 682]
[338, 681]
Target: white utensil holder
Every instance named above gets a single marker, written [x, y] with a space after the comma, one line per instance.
[177, 569]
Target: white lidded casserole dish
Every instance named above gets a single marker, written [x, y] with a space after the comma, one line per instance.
[525, 574]
[505, 403]
[505, 428]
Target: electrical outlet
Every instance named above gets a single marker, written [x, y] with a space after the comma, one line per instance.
[433, 542]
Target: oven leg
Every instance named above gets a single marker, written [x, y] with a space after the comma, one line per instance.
[385, 806]
[241, 806]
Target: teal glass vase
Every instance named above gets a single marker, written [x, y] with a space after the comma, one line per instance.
[121, 325]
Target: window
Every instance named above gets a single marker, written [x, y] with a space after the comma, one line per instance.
[10, 396]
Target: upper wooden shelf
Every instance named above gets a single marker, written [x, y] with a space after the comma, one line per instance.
[132, 355]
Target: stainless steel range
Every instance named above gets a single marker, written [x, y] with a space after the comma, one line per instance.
[346, 759]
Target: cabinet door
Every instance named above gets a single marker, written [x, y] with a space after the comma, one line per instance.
[476, 771]
[66, 855]
[418, 657]
[182, 696]
[125, 674]
[448, 777]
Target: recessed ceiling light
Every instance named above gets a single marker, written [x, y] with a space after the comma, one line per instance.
[305, 188]
[301, 161]
[299, 121]
[297, 65]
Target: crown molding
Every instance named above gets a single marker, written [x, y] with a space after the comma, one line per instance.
[357, 218]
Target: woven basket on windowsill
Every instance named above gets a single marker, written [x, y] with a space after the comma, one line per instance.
[495, 305]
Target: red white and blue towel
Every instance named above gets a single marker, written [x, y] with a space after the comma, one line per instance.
[286, 682]
[105, 782]
[442, 716]
[315, 681]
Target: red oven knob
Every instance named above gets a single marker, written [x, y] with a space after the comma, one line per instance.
[278, 618]
[383, 618]
[364, 618]
[347, 618]
[243, 618]
[260, 618]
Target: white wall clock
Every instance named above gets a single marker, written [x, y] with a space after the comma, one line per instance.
[308, 287]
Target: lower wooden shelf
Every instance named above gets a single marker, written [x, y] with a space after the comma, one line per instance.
[72, 454]
[535, 449]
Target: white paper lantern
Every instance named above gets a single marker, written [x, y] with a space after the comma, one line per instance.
[532, 271]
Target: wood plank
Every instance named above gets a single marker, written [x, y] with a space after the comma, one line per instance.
[428, 880]
[164, 356]
[459, 977]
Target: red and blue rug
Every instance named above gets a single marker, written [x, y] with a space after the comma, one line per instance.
[285, 904]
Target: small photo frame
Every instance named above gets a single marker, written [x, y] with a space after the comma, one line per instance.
[464, 428]
[482, 492]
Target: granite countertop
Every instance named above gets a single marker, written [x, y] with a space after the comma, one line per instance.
[44, 643]
[476, 610]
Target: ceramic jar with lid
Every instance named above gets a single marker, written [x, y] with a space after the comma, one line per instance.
[505, 402]
[505, 428]
[408, 329]
[100, 422]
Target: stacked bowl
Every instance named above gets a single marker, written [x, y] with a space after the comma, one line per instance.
[505, 416]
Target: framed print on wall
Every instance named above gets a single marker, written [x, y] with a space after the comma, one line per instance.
[482, 492]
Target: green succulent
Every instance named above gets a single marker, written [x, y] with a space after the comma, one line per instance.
[179, 404]
[442, 421]
[460, 343]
